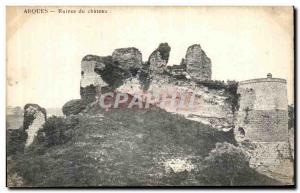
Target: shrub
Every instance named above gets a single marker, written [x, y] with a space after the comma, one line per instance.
[233, 96]
[73, 107]
[16, 139]
[144, 78]
[164, 51]
[224, 165]
[213, 84]
[56, 131]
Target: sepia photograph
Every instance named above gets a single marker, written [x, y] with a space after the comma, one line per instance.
[150, 96]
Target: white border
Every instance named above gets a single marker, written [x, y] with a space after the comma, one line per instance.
[4, 3]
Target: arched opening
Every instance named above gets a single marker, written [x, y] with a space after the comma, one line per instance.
[241, 132]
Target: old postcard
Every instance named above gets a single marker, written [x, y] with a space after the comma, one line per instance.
[149, 96]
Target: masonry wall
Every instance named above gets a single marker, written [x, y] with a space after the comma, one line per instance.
[261, 125]
[262, 114]
[90, 81]
[209, 107]
[264, 125]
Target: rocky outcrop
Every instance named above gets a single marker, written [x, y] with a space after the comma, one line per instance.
[73, 107]
[159, 58]
[34, 119]
[197, 63]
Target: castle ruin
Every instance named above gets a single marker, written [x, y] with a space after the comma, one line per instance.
[263, 110]
[262, 122]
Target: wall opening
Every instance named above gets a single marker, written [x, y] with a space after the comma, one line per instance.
[241, 132]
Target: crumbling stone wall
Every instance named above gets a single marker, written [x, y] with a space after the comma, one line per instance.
[197, 63]
[100, 74]
[90, 80]
[125, 72]
[34, 119]
[158, 60]
[210, 105]
[128, 58]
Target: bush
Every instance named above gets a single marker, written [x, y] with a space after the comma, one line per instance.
[144, 79]
[224, 165]
[213, 84]
[73, 107]
[233, 96]
[164, 51]
[56, 131]
[16, 139]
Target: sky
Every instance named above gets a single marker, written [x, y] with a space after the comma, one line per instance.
[44, 50]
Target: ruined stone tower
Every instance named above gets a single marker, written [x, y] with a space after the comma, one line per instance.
[198, 65]
[262, 123]
[262, 114]
[90, 80]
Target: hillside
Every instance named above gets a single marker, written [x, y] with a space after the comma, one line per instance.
[130, 148]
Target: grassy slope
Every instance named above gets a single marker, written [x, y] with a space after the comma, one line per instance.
[125, 148]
